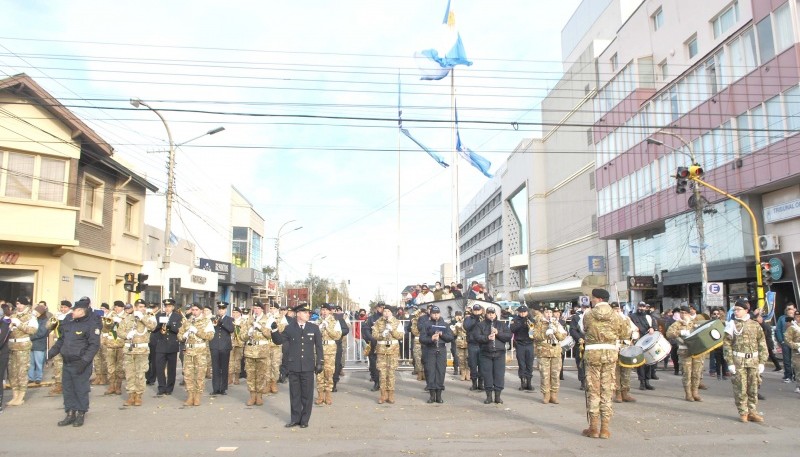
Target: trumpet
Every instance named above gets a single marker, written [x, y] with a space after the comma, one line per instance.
[531, 327]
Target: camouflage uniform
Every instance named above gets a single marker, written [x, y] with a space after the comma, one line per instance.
[461, 347]
[745, 348]
[331, 331]
[19, 342]
[99, 363]
[237, 340]
[111, 342]
[258, 336]
[602, 327]
[692, 367]
[417, 346]
[58, 362]
[275, 358]
[792, 339]
[548, 351]
[135, 333]
[388, 350]
[623, 374]
[194, 357]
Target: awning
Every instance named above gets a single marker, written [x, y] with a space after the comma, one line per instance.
[563, 290]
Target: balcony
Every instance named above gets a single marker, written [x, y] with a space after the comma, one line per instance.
[38, 223]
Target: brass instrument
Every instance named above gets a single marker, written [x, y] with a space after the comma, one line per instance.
[531, 327]
[52, 322]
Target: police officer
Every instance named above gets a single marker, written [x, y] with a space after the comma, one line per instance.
[169, 324]
[521, 329]
[303, 359]
[78, 344]
[366, 332]
[434, 333]
[473, 348]
[221, 347]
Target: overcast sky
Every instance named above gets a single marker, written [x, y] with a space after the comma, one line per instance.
[307, 92]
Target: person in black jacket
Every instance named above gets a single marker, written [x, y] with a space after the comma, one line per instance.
[5, 330]
[366, 333]
[576, 332]
[646, 325]
[169, 323]
[337, 372]
[434, 333]
[473, 348]
[520, 328]
[150, 376]
[492, 335]
[304, 359]
[221, 347]
[78, 344]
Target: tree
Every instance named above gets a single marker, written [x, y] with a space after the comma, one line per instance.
[269, 271]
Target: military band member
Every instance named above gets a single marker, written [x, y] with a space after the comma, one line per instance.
[331, 332]
[548, 334]
[220, 347]
[167, 347]
[275, 358]
[341, 345]
[111, 343]
[473, 348]
[366, 333]
[196, 332]
[521, 330]
[23, 325]
[576, 332]
[150, 376]
[256, 353]
[434, 333]
[55, 325]
[492, 335]
[692, 367]
[388, 331]
[623, 374]
[99, 365]
[208, 313]
[135, 330]
[413, 327]
[602, 328]
[461, 345]
[745, 350]
[791, 339]
[237, 347]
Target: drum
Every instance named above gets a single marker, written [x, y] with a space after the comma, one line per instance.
[631, 357]
[655, 347]
[705, 338]
[567, 343]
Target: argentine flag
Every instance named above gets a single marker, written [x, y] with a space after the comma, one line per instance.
[436, 63]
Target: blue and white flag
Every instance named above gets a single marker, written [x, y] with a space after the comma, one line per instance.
[436, 63]
[481, 163]
[437, 157]
[173, 240]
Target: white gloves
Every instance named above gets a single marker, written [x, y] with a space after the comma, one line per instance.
[16, 321]
[186, 335]
[732, 369]
[549, 332]
[685, 333]
[192, 329]
[386, 333]
[61, 317]
[138, 314]
[163, 320]
[760, 368]
[118, 319]
[798, 350]
[257, 325]
[131, 334]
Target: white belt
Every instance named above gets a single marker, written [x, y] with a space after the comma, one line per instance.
[19, 340]
[258, 343]
[746, 355]
[137, 345]
[682, 346]
[598, 346]
[328, 342]
[195, 345]
[625, 342]
[387, 343]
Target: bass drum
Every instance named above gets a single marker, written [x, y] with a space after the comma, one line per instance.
[655, 347]
[705, 338]
[567, 343]
[631, 357]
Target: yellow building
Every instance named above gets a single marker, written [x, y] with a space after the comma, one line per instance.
[72, 217]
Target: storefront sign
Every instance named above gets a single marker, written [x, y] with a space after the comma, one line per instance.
[9, 258]
[198, 279]
[597, 264]
[715, 295]
[782, 212]
[223, 269]
[641, 282]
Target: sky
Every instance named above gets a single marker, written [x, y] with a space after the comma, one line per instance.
[308, 94]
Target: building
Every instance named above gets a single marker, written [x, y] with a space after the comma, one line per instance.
[73, 220]
[481, 239]
[247, 248]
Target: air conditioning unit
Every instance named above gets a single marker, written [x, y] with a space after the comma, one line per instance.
[769, 243]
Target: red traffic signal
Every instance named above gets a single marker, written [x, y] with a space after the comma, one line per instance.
[682, 180]
[695, 171]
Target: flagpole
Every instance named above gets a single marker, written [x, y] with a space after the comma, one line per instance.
[397, 264]
[454, 180]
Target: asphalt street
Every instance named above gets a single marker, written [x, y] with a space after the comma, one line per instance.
[660, 423]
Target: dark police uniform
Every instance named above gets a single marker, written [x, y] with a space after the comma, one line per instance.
[520, 329]
[473, 349]
[167, 349]
[366, 333]
[492, 356]
[5, 331]
[435, 353]
[150, 376]
[221, 347]
[577, 335]
[304, 358]
[339, 365]
[78, 344]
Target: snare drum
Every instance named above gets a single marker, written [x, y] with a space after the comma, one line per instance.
[631, 357]
[705, 338]
[567, 343]
[655, 347]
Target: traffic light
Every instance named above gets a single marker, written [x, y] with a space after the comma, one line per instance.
[141, 278]
[766, 274]
[696, 171]
[130, 286]
[682, 178]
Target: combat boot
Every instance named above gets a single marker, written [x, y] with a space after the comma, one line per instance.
[68, 420]
[489, 398]
[554, 398]
[626, 396]
[546, 398]
[118, 387]
[497, 398]
[56, 390]
[455, 370]
[743, 418]
[131, 400]
[189, 399]
[648, 386]
[197, 396]
[18, 399]
[79, 416]
[702, 386]
[605, 431]
[334, 389]
[235, 379]
[252, 400]
[432, 394]
[754, 417]
[390, 397]
[528, 385]
[594, 428]
[273, 387]
[688, 391]
[642, 386]
[480, 383]
[617, 397]
[320, 398]
[328, 398]
[383, 397]
[376, 386]
[439, 396]
[259, 399]
[522, 383]
[696, 395]
[138, 400]
[111, 389]
[474, 385]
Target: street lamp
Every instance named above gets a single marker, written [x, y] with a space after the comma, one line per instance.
[170, 195]
[278, 249]
[698, 212]
[311, 280]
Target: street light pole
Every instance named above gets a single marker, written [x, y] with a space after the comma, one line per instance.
[278, 249]
[311, 280]
[699, 205]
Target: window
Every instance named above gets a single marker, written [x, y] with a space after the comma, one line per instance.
[726, 20]
[792, 100]
[783, 27]
[19, 182]
[691, 46]
[33, 177]
[774, 112]
[131, 222]
[614, 62]
[757, 124]
[766, 45]
[742, 127]
[92, 195]
[663, 70]
[711, 76]
[658, 19]
[52, 180]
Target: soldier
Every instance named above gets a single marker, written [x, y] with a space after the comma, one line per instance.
[341, 345]
[150, 376]
[167, 347]
[99, 364]
[520, 328]
[256, 353]
[548, 333]
[791, 340]
[237, 347]
[602, 328]
[55, 325]
[331, 331]
[23, 325]
[221, 346]
[208, 313]
[366, 331]
[473, 348]
[195, 332]
[434, 333]
[746, 353]
[492, 335]
[275, 357]
[135, 330]
[461, 343]
[5, 327]
[111, 343]
[692, 367]
[623, 374]
[78, 344]
[388, 331]
[413, 328]
[576, 332]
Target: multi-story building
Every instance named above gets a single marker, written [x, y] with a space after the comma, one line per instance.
[247, 228]
[72, 222]
[717, 82]
[481, 239]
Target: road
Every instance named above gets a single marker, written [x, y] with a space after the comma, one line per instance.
[659, 423]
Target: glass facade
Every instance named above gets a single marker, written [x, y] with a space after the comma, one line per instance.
[246, 248]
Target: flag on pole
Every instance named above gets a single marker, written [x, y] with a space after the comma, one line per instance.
[436, 63]
[437, 157]
[481, 163]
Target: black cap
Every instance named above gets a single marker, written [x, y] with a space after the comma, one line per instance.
[245, 310]
[742, 304]
[435, 309]
[522, 309]
[301, 307]
[380, 303]
[104, 306]
[614, 304]
[23, 301]
[328, 306]
[169, 301]
[459, 313]
[66, 303]
[477, 307]
[81, 304]
[222, 305]
[491, 310]
[128, 306]
[602, 294]
[140, 300]
[117, 304]
[149, 305]
[685, 309]
[338, 308]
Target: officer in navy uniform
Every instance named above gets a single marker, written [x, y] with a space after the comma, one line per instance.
[339, 366]
[304, 359]
[221, 347]
[169, 323]
[78, 344]
[520, 328]
[366, 333]
[434, 333]
[150, 376]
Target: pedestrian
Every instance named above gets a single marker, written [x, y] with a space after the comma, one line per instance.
[304, 359]
[745, 350]
[78, 344]
[256, 353]
[434, 333]
[492, 336]
[23, 325]
[196, 332]
[780, 329]
[692, 366]
[38, 345]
